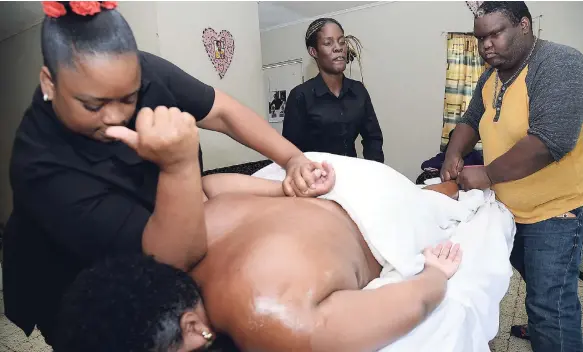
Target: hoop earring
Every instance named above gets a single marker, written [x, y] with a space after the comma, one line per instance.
[208, 337]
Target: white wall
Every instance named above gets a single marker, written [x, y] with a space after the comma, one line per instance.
[174, 31]
[142, 17]
[20, 63]
[404, 64]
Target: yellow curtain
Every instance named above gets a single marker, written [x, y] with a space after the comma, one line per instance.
[464, 67]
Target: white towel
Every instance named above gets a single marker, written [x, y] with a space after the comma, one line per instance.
[469, 315]
[398, 220]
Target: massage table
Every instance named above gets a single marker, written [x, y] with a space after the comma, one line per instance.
[468, 317]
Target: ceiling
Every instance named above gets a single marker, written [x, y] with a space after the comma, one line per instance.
[277, 13]
[16, 16]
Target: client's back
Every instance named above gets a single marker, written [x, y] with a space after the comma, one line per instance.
[278, 258]
[273, 264]
[270, 264]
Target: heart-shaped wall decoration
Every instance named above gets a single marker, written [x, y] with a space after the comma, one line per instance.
[220, 49]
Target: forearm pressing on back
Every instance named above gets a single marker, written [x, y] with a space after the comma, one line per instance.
[176, 232]
[367, 320]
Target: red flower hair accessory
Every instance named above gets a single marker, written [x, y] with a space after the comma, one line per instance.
[85, 8]
[110, 5]
[56, 9]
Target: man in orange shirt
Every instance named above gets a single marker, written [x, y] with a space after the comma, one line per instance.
[528, 109]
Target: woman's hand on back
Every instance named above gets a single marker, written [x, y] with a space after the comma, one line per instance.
[300, 175]
[320, 177]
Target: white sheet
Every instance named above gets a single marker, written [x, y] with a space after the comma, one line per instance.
[398, 219]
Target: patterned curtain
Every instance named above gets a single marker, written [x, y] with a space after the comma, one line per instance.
[464, 67]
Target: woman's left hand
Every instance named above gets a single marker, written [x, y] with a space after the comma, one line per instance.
[304, 177]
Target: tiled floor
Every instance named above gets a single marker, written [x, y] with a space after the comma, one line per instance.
[13, 339]
[512, 312]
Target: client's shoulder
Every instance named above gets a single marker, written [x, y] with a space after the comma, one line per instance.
[259, 321]
[450, 189]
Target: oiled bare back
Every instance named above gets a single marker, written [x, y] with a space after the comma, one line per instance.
[272, 260]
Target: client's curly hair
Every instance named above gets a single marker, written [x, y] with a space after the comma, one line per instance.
[130, 303]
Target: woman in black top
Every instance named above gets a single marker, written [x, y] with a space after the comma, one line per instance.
[328, 112]
[90, 179]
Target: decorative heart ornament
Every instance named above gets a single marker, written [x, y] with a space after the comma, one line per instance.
[220, 49]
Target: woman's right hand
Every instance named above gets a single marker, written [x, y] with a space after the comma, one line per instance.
[166, 137]
[452, 166]
[324, 181]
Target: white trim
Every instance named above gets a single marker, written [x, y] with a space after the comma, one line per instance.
[330, 14]
[282, 63]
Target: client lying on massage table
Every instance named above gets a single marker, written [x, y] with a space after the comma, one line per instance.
[281, 274]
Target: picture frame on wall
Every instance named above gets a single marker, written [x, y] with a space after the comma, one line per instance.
[276, 105]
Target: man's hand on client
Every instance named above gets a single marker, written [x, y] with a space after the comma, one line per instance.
[322, 178]
[445, 257]
[452, 166]
[474, 177]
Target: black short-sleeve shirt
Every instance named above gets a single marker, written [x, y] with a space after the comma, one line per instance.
[76, 200]
[318, 121]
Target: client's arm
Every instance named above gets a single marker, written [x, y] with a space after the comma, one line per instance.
[214, 185]
[367, 320]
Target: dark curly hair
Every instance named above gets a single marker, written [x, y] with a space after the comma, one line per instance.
[514, 10]
[130, 303]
